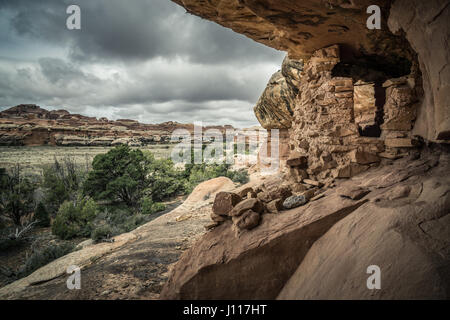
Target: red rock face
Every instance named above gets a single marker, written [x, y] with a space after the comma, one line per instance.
[224, 203]
[321, 250]
[31, 125]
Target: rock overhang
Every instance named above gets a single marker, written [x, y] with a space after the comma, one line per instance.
[412, 33]
[301, 28]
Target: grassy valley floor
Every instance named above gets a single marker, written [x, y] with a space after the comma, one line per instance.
[33, 159]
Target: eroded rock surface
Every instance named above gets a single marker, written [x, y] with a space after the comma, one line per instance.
[427, 27]
[394, 216]
[274, 108]
[255, 264]
[299, 27]
[391, 232]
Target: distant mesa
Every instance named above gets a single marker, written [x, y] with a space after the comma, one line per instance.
[31, 125]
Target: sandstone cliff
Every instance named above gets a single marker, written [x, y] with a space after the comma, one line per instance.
[33, 125]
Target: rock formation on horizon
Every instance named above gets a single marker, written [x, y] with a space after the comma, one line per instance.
[31, 125]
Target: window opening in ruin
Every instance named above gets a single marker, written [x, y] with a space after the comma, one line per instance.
[371, 69]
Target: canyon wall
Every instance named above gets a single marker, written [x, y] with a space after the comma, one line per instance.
[426, 25]
[31, 125]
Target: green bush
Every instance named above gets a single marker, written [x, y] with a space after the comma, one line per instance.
[125, 175]
[165, 180]
[146, 206]
[119, 216]
[133, 222]
[150, 207]
[74, 219]
[44, 256]
[198, 173]
[119, 175]
[158, 207]
[102, 232]
[115, 220]
[16, 195]
[61, 182]
[42, 216]
[239, 176]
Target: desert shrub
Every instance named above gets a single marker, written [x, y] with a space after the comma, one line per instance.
[74, 218]
[124, 220]
[61, 182]
[119, 175]
[118, 216]
[238, 176]
[164, 180]
[16, 236]
[7, 243]
[198, 173]
[146, 206]
[126, 175]
[43, 256]
[42, 216]
[150, 207]
[158, 207]
[102, 232]
[16, 195]
[133, 222]
[115, 220]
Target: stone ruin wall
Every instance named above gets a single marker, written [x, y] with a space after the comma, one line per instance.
[334, 126]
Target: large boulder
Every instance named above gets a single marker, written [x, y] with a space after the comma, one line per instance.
[249, 204]
[225, 202]
[257, 263]
[274, 108]
[294, 201]
[248, 220]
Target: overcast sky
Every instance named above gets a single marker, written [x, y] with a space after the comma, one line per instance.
[146, 60]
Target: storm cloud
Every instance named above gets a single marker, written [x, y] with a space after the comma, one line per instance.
[146, 60]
